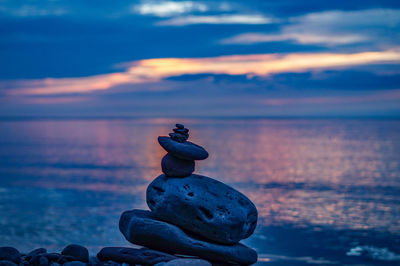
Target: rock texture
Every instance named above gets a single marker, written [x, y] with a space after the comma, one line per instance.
[204, 206]
[142, 228]
[134, 256]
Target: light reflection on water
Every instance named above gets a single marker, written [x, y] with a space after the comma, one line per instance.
[68, 180]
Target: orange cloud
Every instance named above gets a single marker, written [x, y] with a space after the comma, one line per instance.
[152, 70]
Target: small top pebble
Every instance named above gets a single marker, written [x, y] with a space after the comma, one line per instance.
[181, 134]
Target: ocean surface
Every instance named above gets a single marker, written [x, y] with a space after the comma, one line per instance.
[327, 191]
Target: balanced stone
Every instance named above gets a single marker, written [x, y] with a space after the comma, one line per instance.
[142, 228]
[204, 206]
[174, 166]
[134, 256]
[178, 137]
[183, 150]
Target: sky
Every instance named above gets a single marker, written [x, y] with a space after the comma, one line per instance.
[287, 58]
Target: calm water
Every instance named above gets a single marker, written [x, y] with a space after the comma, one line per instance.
[327, 191]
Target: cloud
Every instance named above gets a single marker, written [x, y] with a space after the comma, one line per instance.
[156, 69]
[169, 8]
[251, 38]
[152, 70]
[332, 28]
[250, 19]
[32, 11]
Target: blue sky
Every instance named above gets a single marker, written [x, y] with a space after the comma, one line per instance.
[199, 58]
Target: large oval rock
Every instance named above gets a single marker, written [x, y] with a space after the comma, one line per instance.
[204, 206]
[142, 228]
[185, 150]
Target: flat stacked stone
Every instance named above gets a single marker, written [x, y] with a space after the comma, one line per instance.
[191, 214]
[179, 161]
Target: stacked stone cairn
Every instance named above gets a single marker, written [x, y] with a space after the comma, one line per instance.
[194, 220]
[191, 214]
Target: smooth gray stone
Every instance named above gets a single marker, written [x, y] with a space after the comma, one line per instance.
[186, 150]
[188, 262]
[204, 206]
[11, 254]
[77, 251]
[7, 263]
[142, 228]
[133, 255]
[173, 166]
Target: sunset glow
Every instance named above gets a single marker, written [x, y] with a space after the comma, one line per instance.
[156, 69]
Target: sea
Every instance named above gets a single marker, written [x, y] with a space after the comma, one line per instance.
[327, 190]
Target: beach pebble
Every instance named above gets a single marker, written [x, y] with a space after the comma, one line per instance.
[36, 252]
[188, 262]
[74, 263]
[11, 254]
[43, 261]
[94, 261]
[180, 126]
[204, 206]
[7, 263]
[186, 150]
[133, 255]
[142, 228]
[80, 253]
[173, 166]
[52, 256]
[65, 258]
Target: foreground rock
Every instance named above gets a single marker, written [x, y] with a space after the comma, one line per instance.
[142, 228]
[134, 256]
[80, 253]
[204, 206]
[7, 263]
[10, 254]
